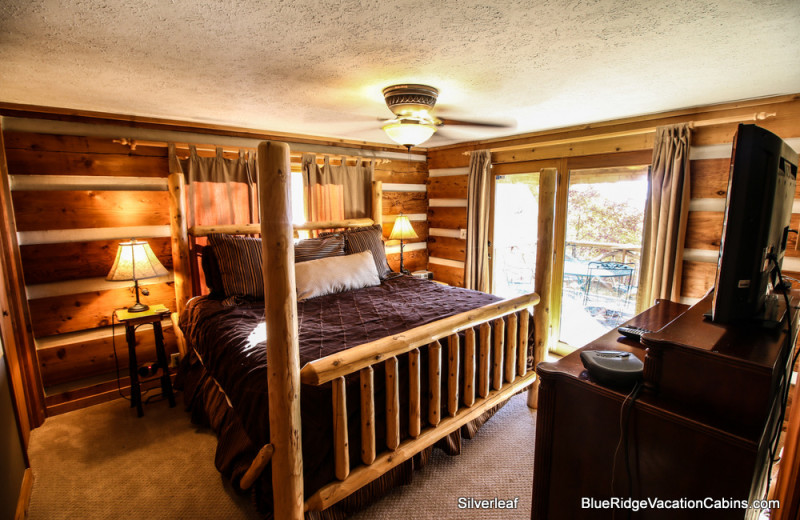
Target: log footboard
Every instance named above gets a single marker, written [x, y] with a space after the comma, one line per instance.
[509, 350]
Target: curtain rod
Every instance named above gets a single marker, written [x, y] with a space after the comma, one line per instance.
[133, 143]
[757, 116]
[110, 131]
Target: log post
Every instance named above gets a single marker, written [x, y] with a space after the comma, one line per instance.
[392, 404]
[499, 337]
[415, 395]
[511, 349]
[179, 241]
[544, 272]
[453, 356]
[485, 360]
[522, 349]
[341, 443]
[283, 357]
[367, 415]
[377, 202]
[257, 466]
[469, 368]
[434, 383]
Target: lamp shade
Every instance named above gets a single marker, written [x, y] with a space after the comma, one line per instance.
[402, 229]
[135, 261]
[409, 132]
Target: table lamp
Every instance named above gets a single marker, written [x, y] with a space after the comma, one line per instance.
[136, 261]
[402, 230]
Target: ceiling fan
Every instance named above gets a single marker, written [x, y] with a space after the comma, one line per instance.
[414, 122]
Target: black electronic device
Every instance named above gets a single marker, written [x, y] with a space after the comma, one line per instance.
[148, 370]
[761, 187]
[632, 332]
[615, 368]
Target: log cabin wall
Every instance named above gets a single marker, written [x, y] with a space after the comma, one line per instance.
[447, 216]
[610, 143]
[68, 228]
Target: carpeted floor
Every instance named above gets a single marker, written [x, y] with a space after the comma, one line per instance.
[103, 462]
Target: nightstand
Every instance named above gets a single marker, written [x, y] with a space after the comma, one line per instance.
[132, 320]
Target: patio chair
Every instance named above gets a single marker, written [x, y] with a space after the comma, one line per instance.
[618, 274]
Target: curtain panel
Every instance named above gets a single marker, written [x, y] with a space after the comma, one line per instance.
[666, 213]
[219, 190]
[336, 192]
[479, 184]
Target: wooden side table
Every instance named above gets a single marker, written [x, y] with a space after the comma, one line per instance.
[132, 320]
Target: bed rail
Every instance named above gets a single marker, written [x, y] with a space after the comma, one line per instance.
[502, 361]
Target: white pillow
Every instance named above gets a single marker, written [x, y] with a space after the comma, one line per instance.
[335, 274]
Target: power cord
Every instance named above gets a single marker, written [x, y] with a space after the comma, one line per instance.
[787, 376]
[624, 420]
[114, 347]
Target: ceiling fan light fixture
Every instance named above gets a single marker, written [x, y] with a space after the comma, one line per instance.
[409, 132]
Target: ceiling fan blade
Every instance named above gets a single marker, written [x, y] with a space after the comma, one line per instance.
[488, 124]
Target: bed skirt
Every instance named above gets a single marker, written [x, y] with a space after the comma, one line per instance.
[208, 406]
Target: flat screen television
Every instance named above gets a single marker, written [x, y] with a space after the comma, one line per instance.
[761, 188]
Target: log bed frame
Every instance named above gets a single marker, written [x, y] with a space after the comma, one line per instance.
[503, 362]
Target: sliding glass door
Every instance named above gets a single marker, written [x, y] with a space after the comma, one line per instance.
[598, 239]
[605, 213]
[516, 210]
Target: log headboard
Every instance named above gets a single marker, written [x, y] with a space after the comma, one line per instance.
[183, 255]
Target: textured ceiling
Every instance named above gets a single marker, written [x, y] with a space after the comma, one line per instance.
[318, 67]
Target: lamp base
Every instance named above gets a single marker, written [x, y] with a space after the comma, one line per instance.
[405, 271]
[138, 307]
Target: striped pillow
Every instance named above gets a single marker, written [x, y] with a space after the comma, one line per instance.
[211, 271]
[316, 248]
[369, 238]
[240, 265]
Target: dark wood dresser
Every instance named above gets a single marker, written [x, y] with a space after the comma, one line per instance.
[699, 430]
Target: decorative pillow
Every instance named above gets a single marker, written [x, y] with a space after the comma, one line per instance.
[316, 248]
[213, 277]
[335, 274]
[240, 265]
[368, 238]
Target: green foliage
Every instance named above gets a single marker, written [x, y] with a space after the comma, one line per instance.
[594, 218]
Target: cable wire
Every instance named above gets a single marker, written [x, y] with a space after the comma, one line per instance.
[624, 419]
[114, 347]
[773, 446]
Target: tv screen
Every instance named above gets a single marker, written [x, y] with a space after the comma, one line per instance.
[761, 187]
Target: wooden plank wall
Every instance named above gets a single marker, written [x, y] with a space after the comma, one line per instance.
[405, 191]
[447, 218]
[709, 166]
[68, 240]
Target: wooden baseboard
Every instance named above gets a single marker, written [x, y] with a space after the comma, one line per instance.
[24, 499]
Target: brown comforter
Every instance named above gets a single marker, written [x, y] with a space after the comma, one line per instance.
[229, 342]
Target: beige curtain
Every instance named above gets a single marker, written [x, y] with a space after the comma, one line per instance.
[665, 216]
[219, 190]
[476, 274]
[335, 192]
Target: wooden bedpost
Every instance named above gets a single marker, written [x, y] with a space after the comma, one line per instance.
[544, 273]
[180, 241]
[377, 202]
[283, 357]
